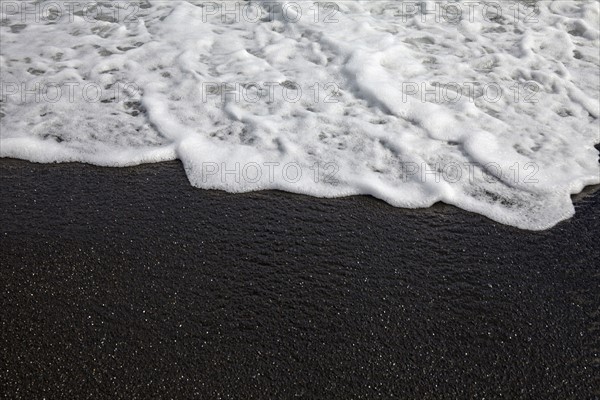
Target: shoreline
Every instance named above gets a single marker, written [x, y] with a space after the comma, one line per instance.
[130, 282]
[177, 164]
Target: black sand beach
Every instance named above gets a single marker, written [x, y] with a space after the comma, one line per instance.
[131, 284]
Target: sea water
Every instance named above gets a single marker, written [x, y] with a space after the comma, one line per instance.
[489, 106]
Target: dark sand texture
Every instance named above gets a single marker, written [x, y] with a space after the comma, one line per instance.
[129, 283]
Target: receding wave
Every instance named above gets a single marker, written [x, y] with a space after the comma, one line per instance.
[492, 107]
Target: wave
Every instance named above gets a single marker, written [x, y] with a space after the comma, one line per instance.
[492, 109]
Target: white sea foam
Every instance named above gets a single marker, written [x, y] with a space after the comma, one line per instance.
[494, 114]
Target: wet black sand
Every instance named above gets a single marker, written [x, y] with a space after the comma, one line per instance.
[129, 283]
